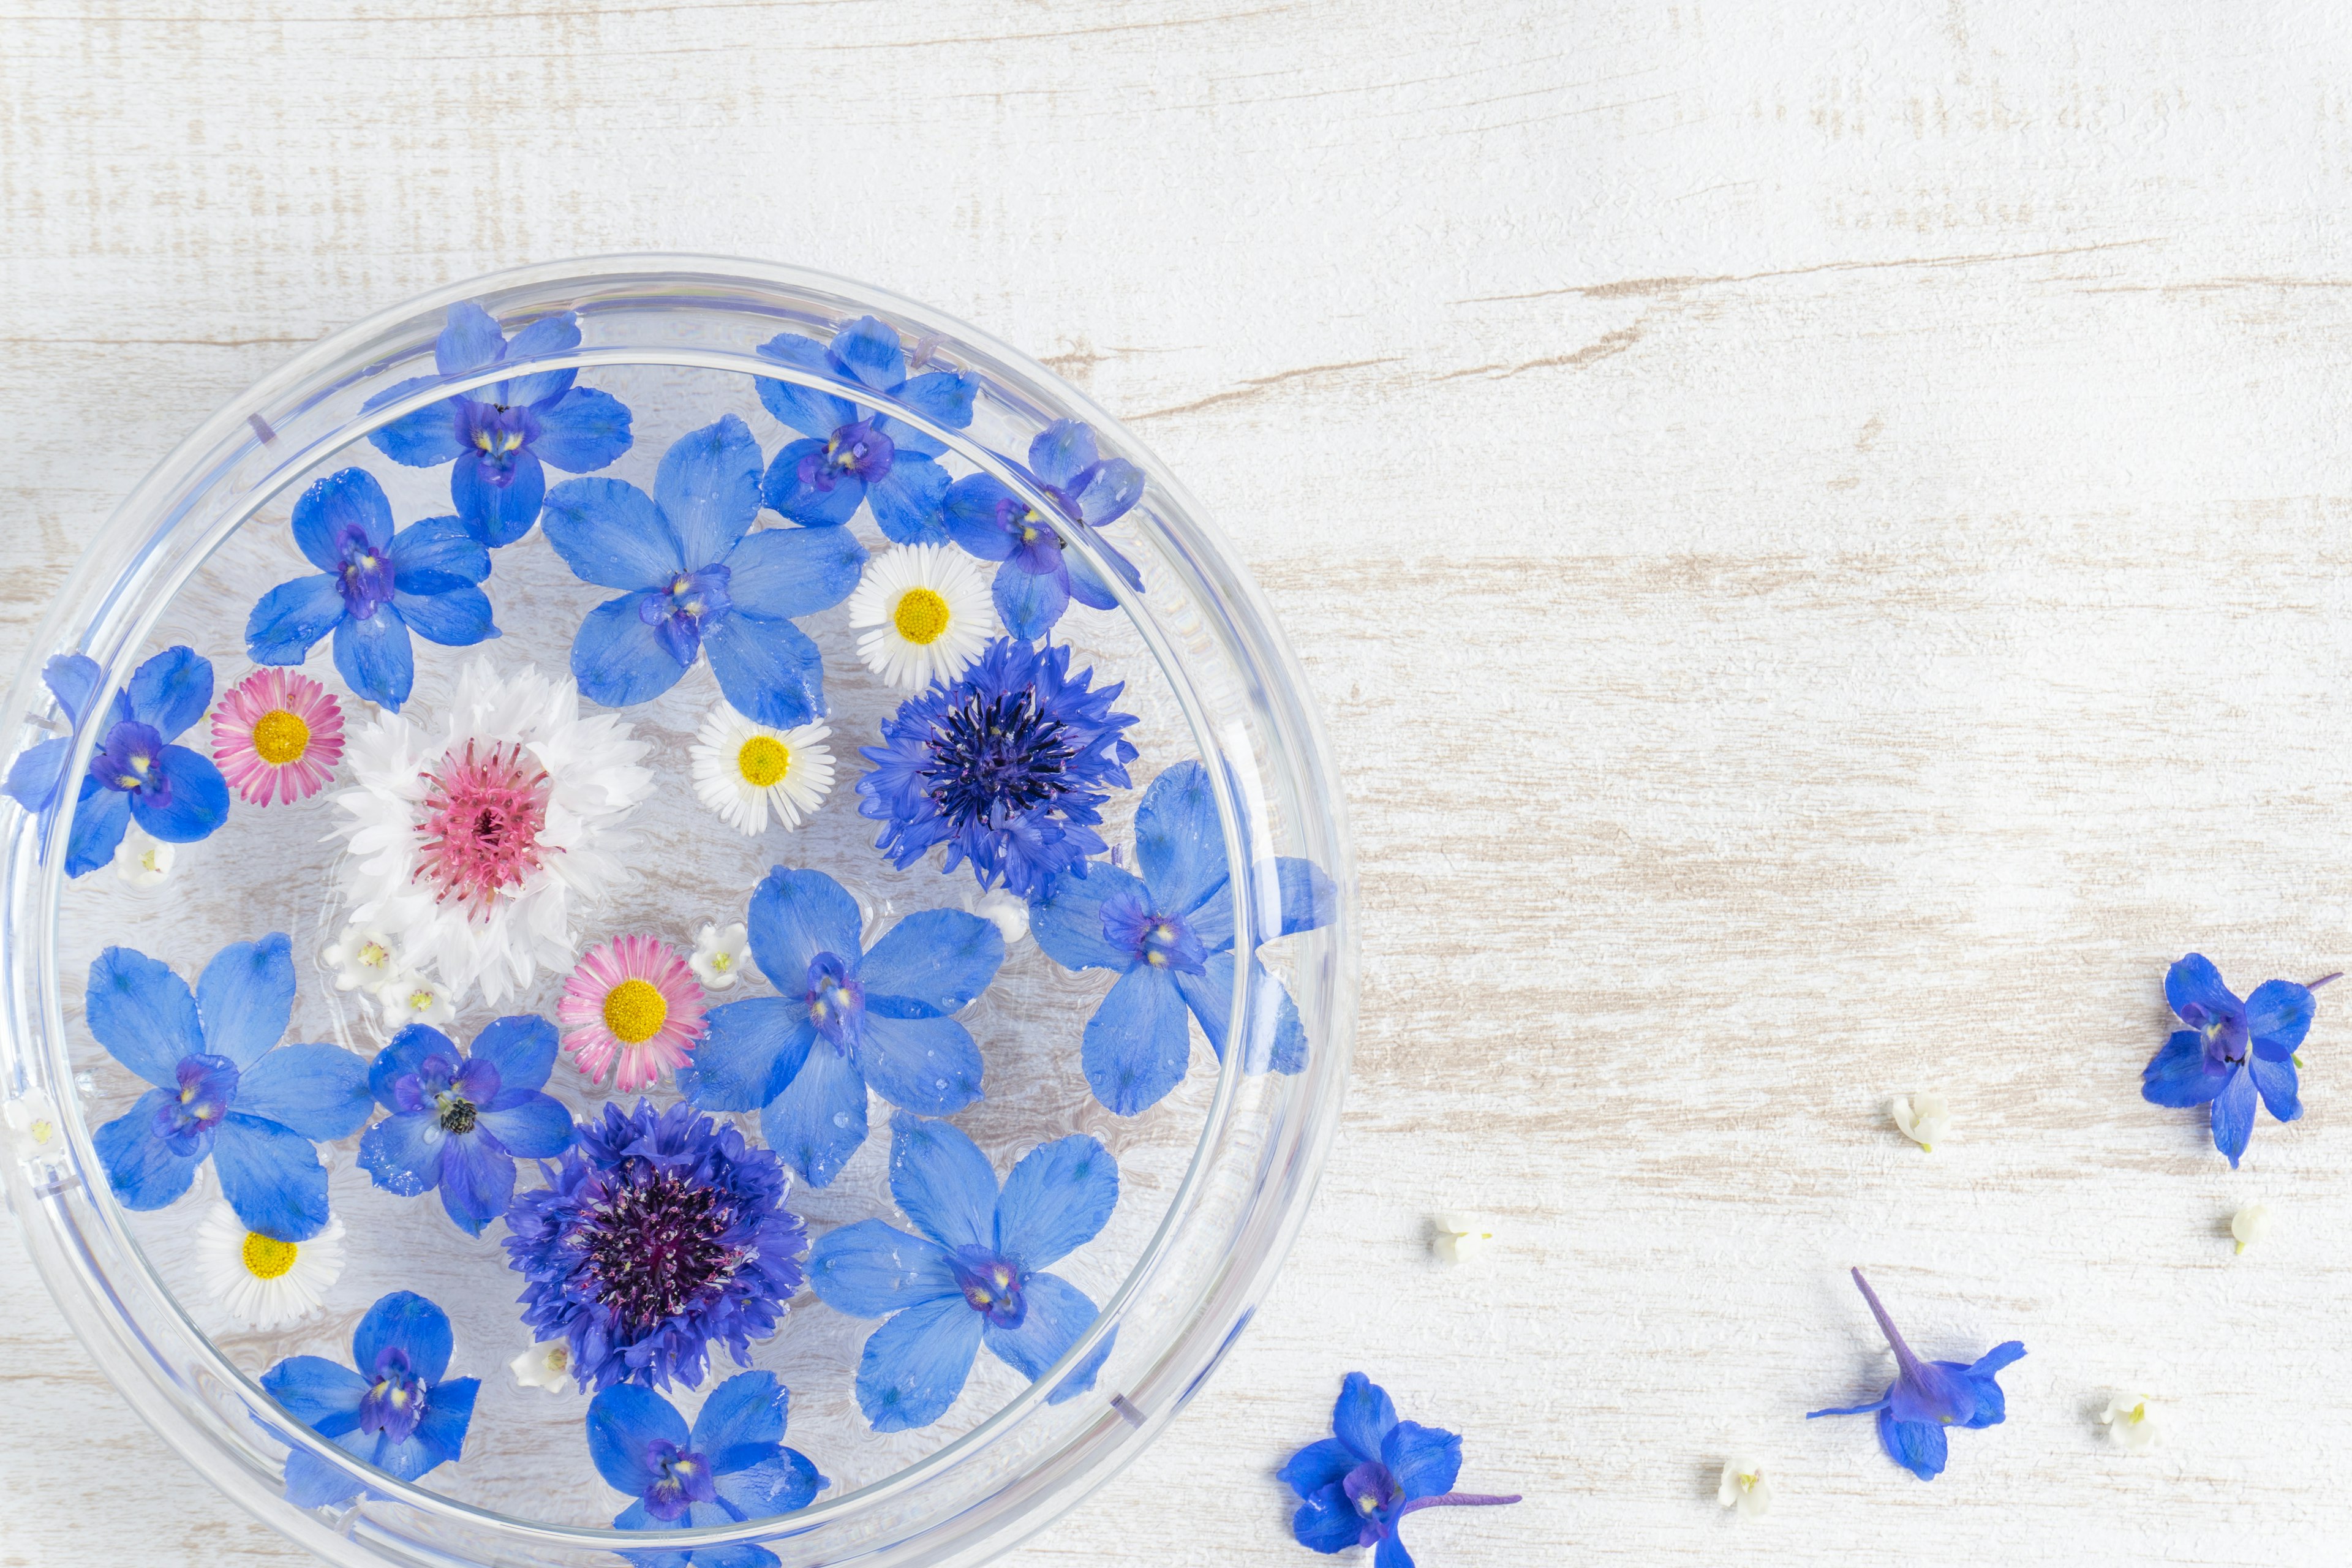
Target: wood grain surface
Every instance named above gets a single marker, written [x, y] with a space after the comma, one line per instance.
[1820, 533]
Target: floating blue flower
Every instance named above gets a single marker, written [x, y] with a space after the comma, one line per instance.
[730, 1468]
[848, 456]
[374, 588]
[1039, 577]
[1009, 768]
[394, 1412]
[698, 579]
[225, 1089]
[849, 1019]
[499, 436]
[2230, 1051]
[459, 1122]
[975, 1276]
[1359, 1484]
[1168, 934]
[662, 1234]
[1927, 1396]
[136, 774]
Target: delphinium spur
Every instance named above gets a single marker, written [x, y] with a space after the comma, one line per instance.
[1040, 576]
[460, 1119]
[1358, 1484]
[1927, 1396]
[730, 1468]
[396, 1411]
[662, 1234]
[2231, 1051]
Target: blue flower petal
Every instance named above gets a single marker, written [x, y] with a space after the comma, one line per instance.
[73, 678]
[818, 1122]
[742, 1422]
[171, 690]
[521, 1047]
[375, 658]
[941, 958]
[2279, 1015]
[543, 339]
[1276, 1041]
[782, 573]
[402, 1152]
[1062, 451]
[624, 1424]
[583, 431]
[405, 1055]
[141, 1167]
[349, 498]
[199, 801]
[2276, 1081]
[1310, 898]
[144, 1013]
[768, 669]
[914, 1365]
[1425, 1460]
[2233, 1114]
[441, 1433]
[1391, 1554]
[425, 437]
[531, 1124]
[459, 619]
[409, 1323]
[783, 1483]
[469, 339]
[319, 1090]
[612, 534]
[799, 408]
[869, 350]
[905, 501]
[1180, 846]
[618, 659]
[927, 1065]
[1362, 1417]
[1056, 1199]
[1920, 1447]
[1029, 606]
[498, 514]
[245, 997]
[34, 775]
[312, 1482]
[477, 1180]
[1057, 1313]
[290, 620]
[1086, 584]
[271, 1176]
[1138, 1044]
[320, 1393]
[1327, 1522]
[945, 396]
[871, 1269]
[708, 488]
[810, 506]
[1109, 492]
[969, 515]
[1323, 1463]
[436, 555]
[99, 824]
[2195, 983]
[2182, 1073]
[1066, 919]
[795, 916]
[753, 1048]
[943, 1181]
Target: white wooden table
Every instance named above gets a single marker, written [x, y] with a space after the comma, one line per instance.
[1821, 537]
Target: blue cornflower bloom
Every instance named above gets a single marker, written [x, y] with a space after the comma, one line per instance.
[395, 1412]
[2231, 1050]
[848, 456]
[1358, 1484]
[662, 1233]
[698, 579]
[136, 774]
[225, 1089]
[975, 1276]
[374, 588]
[1170, 935]
[849, 1019]
[1008, 767]
[1929, 1396]
[731, 1468]
[459, 1122]
[1039, 578]
[499, 436]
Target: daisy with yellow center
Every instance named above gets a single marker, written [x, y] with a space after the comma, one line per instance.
[743, 771]
[278, 736]
[922, 612]
[633, 1002]
[263, 1283]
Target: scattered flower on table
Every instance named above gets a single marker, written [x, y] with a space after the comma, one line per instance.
[142, 859]
[363, 959]
[848, 1020]
[412, 998]
[697, 579]
[1168, 935]
[633, 1003]
[1007, 911]
[1743, 1486]
[743, 769]
[731, 1467]
[975, 1274]
[458, 1120]
[1040, 576]
[722, 956]
[922, 614]
[225, 1089]
[547, 1366]
[373, 589]
[847, 455]
[276, 736]
[663, 1233]
[2250, 1224]
[1462, 1236]
[1928, 1396]
[2131, 1425]
[2231, 1050]
[1923, 1118]
[502, 437]
[398, 1411]
[1008, 767]
[1358, 1484]
[260, 1281]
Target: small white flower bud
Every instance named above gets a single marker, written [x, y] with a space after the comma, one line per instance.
[1924, 1118]
[1461, 1237]
[2250, 1224]
[1743, 1486]
[2131, 1425]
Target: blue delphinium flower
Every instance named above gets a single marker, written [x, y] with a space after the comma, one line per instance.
[499, 435]
[698, 579]
[1927, 1396]
[848, 456]
[1008, 767]
[663, 1233]
[1168, 934]
[848, 1020]
[459, 1122]
[136, 774]
[374, 588]
[1359, 1484]
[2231, 1050]
[975, 1276]
[225, 1089]
[1039, 577]
[730, 1468]
[395, 1412]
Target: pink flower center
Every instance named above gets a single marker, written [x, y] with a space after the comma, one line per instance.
[483, 816]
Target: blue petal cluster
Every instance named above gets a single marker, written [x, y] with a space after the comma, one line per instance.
[2230, 1051]
[1168, 935]
[225, 1089]
[1928, 1396]
[373, 588]
[502, 437]
[458, 1120]
[696, 579]
[731, 1467]
[1358, 1484]
[136, 774]
[975, 1274]
[1039, 577]
[391, 1409]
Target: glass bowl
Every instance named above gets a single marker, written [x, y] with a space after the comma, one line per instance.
[1213, 1179]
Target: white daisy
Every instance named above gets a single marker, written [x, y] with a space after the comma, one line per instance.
[361, 957]
[547, 1366]
[922, 612]
[265, 1283]
[721, 956]
[473, 844]
[742, 769]
[142, 859]
[415, 999]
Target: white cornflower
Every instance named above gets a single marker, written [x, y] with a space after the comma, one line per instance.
[743, 769]
[263, 1283]
[142, 859]
[1007, 911]
[415, 999]
[1923, 1118]
[362, 957]
[2131, 1425]
[1743, 1486]
[721, 956]
[547, 1366]
[2250, 1224]
[922, 612]
[1461, 1237]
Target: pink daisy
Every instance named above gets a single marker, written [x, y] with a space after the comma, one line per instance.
[278, 735]
[632, 999]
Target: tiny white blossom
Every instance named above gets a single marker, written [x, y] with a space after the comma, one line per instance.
[2131, 1425]
[362, 956]
[1461, 1236]
[2250, 1224]
[722, 955]
[32, 1122]
[1743, 1486]
[1924, 1118]
[142, 859]
[1008, 912]
[413, 999]
[547, 1366]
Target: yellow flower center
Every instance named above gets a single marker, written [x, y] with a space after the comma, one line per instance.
[266, 1257]
[763, 761]
[634, 1012]
[279, 737]
[922, 616]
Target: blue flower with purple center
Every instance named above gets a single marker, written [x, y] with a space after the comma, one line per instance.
[374, 588]
[1039, 576]
[1927, 1396]
[1358, 1484]
[2231, 1051]
[459, 1120]
[847, 455]
[501, 438]
[225, 1089]
[697, 579]
[393, 1408]
[662, 1233]
[1168, 935]
[976, 1273]
[730, 1468]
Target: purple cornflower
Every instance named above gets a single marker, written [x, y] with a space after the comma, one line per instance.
[393, 1411]
[2231, 1050]
[1040, 577]
[458, 1120]
[1929, 1396]
[1359, 1483]
[731, 1467]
